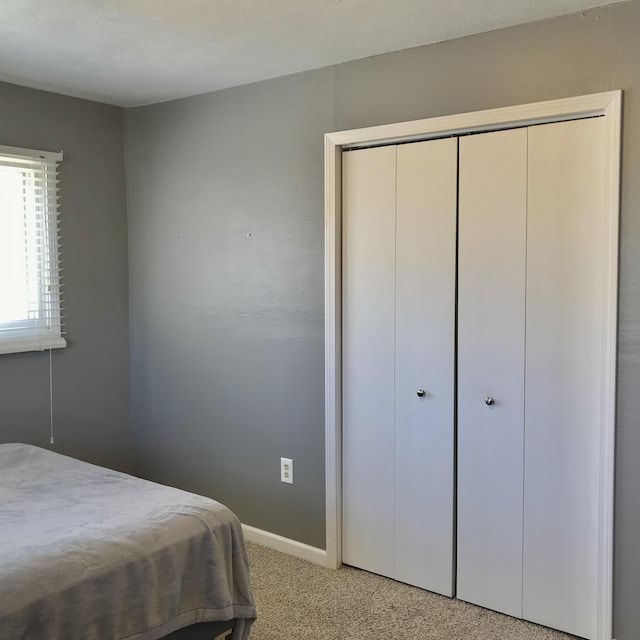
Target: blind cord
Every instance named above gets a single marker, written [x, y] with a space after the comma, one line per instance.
[51, 438]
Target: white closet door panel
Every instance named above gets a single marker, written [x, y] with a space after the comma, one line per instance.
[369, 194]
[491, 313]
[425, 356]
[563, 367]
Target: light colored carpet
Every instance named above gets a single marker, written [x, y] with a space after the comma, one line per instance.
[298, 600]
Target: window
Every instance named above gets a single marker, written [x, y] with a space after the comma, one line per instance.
[30, 309]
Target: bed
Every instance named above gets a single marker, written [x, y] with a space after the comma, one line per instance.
[87, 553]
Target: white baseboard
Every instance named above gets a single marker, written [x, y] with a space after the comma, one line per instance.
[285, 545]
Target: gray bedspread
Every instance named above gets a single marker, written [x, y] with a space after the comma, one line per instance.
[92, 554]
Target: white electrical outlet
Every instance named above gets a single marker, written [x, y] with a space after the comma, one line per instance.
[286, 470]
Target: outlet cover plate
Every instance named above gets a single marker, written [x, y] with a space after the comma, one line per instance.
[286, 470]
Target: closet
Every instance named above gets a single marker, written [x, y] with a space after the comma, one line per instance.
[473, 280]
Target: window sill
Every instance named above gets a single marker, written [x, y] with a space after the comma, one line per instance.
[36, 344]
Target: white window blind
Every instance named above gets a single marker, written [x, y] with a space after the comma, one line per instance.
[30, 280]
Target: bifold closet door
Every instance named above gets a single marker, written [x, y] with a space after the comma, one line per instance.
[530, 330]
[566, 265]
[368, 358]
[491, 333]
[399, 247]
[425, 362]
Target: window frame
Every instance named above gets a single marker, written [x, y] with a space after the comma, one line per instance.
[47, 330]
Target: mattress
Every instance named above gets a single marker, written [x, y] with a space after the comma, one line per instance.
[87, 553]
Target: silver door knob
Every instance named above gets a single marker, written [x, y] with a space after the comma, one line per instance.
[489, 401]
[421, 393]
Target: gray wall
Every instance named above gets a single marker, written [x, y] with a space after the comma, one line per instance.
[227, 355]
[226, 233]
[90, 376]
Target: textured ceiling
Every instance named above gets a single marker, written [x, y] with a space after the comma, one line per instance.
[132, 52]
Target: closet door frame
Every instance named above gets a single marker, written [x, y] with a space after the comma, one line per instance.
[608, 105]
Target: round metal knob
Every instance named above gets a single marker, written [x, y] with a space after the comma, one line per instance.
[489, 401]
[421, 393]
